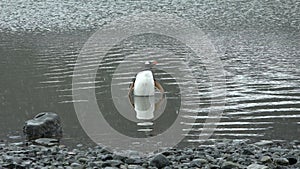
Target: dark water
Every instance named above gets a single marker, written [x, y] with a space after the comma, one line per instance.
[262, 82]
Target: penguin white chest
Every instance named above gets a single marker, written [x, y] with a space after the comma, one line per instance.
[144, 84]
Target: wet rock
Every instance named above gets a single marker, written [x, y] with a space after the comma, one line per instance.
[167, 153]
[118, 157]
[76, 166]
[106, 157]
[281, 161]
[257, 166]
[26, 164]
[83, 160]
[198, 162]
[17, 144]
[136, 161]
[14, 137]
[43, 125]
[110, 168]
[230, 165]
[292, 159]
[115, 163]
[79, 145]
[266, 159]
[46, 141]
[159, 161]
[264, 143]
[247, 152]
[185, 157]
[132, 166]
[132, 154]
[11, 159]
[214, 166]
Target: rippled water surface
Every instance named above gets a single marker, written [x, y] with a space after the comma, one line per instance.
[262, 82]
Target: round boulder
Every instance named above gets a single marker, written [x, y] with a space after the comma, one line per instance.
[43, 125]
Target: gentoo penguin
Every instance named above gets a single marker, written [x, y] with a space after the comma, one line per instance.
[144, 83]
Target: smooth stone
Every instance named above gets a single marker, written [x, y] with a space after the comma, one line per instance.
[159, 161]
[83, 160]
[118, 157]
[264, 143]
[266, 159]
[106, 157]
[76, 165]
[14, 137]
[104, 151]
[213, 166]
[198, 162]
[167, 153]
[292, 159]
[185, 157]
[10, 165]
[167, 167]
[230, 165]
[281, 161]
[115, 163]
[257, 166]
[133, 154]
[247, 152]
[132, 166]
[47, 141]
[105, 164]
[27, 163]
[278, 150]
[17, 144]
[10, 159]
[97, 163]
[123, 167]
[79, 145]
[43, 125]
[137, 161]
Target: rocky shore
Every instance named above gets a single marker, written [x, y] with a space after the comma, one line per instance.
[227, 154]
[32, 16]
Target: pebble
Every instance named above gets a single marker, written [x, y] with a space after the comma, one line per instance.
[46, 141]
[228, 155]
[115, 163]
[264, 143]
[281, 161]
[76, 165]
[230, 165]
[266, 159]
[257, 166]
[132, 166]
[198, 162]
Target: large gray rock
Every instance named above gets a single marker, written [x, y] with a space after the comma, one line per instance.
[159, 161]
[43, 125]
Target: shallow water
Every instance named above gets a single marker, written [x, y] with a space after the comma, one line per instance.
[262, 83]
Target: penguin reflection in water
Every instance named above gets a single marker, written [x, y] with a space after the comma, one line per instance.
[143, 87]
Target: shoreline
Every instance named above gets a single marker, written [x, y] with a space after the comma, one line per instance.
[74, 15]
[222, 154]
